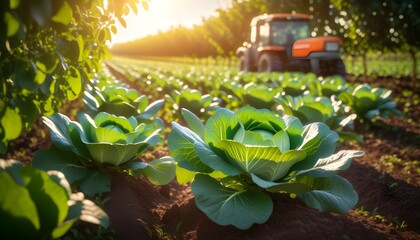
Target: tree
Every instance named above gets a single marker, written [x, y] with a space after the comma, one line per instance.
[49, 49]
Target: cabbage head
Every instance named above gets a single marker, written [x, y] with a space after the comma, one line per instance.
[236, 158]
[86, 151]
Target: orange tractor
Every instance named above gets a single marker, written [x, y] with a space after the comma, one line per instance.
[282, 42]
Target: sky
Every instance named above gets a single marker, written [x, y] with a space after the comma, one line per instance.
[164, 14]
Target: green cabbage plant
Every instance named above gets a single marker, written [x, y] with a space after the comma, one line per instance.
[310, 109]
[35, 204]
[370, 103]
[86, 151]
[122, 101]
[332, 85]
[200, 104]
[256, 95]
[235, 159]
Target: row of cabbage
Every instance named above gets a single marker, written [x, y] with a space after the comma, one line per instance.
[246, 135]
[202, 90]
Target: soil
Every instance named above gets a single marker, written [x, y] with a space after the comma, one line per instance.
[387, 180]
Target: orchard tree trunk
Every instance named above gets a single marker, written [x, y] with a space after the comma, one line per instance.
[364, 60]
[413, 57]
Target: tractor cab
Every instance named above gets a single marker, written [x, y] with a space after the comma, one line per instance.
[282, 42]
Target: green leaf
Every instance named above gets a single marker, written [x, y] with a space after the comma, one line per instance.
[115, 153]
[184, 176]
[58, 125]
[334, 194]
[59, 178]
[74, 81]
[64, 15]
[160, 171]
[14, 4]
[261, 119]
[63, 161]
[12, 24]
[211, 159]
[276, 187]
[193, 122]
[225, 206]
[266, 162]
[40, 74]
[17, 210]
[12, 124]
[96, 182]
[327, 167]
[152, 109]
[13, 168]
[282, 141]
[62, 228]
[294, 129]
[81, 47]
[50, 198]
[312, 113]
[104, 119]
[219, 126]
[181, 142]
[318, 142]
[106, 135]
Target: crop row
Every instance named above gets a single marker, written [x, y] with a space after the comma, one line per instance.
[247, 135]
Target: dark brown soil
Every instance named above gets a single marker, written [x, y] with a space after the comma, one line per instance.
[389, 192]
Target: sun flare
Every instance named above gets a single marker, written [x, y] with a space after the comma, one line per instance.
[164, 14]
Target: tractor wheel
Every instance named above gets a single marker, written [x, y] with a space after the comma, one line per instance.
[270, 62]
[340, 68]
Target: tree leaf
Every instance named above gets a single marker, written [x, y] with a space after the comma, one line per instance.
[12, 24]
[240, 208]
[74, 81]
[145, 4]
[64, 14]
[12, 124]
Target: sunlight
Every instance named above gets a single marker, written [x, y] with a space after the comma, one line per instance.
[164, 14]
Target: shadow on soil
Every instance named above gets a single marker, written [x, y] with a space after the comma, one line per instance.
[139, 210]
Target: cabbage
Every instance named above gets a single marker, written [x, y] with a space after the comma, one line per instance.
[238, 157]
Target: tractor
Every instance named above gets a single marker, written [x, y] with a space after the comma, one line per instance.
[281, 42]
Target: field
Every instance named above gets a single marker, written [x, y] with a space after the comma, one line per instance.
[386, 178]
